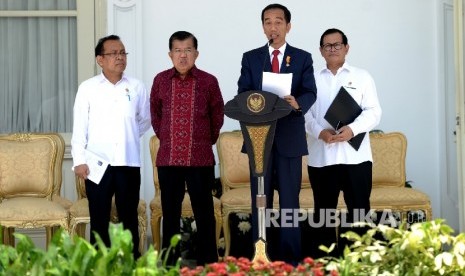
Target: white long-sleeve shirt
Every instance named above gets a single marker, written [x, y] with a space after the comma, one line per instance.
[109, 120]
[361, 87]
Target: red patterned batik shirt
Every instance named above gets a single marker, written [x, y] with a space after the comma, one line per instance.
[187, 115]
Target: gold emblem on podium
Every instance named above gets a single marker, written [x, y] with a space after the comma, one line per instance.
[255, 102]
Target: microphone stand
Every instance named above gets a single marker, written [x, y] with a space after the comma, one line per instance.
[261, 206]
[258, 112]
[260, 245]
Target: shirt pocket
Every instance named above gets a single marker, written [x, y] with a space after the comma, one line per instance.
[128, 105]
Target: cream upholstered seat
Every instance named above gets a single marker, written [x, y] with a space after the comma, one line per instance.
[186, 210]
[79, 215]
[30, 183]
[389, 177]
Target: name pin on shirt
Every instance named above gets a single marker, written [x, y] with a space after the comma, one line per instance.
[127, 94]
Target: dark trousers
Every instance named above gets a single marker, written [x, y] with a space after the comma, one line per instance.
[355, 181]
[285, 175]
[124, 183]
[199, 181]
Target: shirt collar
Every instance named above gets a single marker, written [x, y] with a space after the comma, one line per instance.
[102, 78]
[194, 72]
[344, 66]
[281, 49]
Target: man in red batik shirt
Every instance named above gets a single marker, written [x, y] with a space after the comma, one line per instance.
[187, 114]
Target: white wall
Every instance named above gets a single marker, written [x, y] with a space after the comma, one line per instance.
[396, 40]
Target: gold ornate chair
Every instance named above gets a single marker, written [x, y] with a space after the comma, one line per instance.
[389, 177]
[186, 211]
[30, 183]
[79, 215]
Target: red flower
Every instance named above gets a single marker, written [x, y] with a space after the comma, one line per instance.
[230, 259]
[243, 267]
[300, 268]
[217, 266]
[309, 261]
[317, 271]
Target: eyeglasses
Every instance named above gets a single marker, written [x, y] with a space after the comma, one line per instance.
[186, 51]
[115, 55]
[336, 46]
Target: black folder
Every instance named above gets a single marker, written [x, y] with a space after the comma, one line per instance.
[343, 111]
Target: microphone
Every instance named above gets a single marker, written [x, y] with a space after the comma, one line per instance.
[267, 59]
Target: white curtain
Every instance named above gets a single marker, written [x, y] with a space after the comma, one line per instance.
[38, 68]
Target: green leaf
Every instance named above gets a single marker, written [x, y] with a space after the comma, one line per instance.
[175, 240]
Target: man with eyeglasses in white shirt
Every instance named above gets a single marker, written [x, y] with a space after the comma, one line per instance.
[333, 164]
[111, 113]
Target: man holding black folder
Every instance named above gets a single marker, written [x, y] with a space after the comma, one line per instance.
[340, 158]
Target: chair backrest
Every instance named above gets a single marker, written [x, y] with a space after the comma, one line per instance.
[234, 165]
[389, 151]
[154, 145]
[31, 164]
[58, 162]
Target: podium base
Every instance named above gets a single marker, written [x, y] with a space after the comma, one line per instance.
[260, 254]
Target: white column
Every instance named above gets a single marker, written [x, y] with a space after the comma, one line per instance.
[459, 86]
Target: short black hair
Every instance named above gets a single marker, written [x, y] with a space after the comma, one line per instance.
[101, 41]
[182, 35]
[287, 13]
[333, 31]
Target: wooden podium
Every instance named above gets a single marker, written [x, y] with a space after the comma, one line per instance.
[257, 112]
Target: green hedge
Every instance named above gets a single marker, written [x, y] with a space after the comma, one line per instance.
[427, 248]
